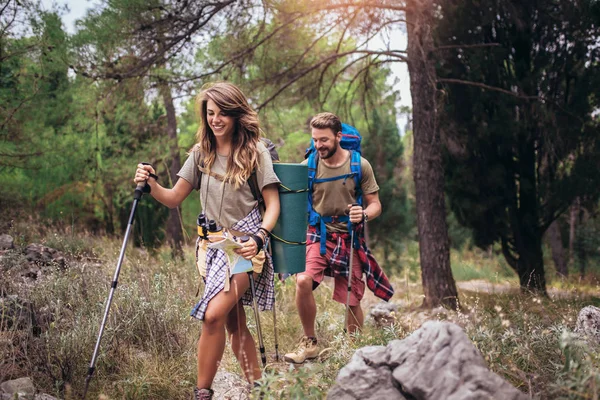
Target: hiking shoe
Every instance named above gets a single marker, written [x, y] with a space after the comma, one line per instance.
[202, 394]
[307, 350]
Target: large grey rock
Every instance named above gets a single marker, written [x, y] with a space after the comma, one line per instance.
[437, 361]
[588, 323]
[6, 242]
[367, 377]
[22, 387]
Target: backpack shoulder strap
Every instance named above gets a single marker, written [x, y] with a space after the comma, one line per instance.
[253, 178]
[253, 183]
[200, 166]
[356, 170]
[312, 162]
[314, 218]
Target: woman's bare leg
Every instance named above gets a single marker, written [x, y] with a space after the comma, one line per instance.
[211, 344]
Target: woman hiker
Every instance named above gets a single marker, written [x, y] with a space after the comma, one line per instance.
[228, 150]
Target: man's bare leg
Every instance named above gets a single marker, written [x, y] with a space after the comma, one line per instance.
[305, 302]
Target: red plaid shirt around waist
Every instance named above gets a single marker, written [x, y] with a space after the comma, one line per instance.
[377, 281]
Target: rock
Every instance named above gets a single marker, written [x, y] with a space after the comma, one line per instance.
[362, 380]
[42, 255]
[383, 313]
[6, 242]
[22, 387]
[588, 323]
[437, 361]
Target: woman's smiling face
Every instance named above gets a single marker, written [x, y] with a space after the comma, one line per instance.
[219, 121]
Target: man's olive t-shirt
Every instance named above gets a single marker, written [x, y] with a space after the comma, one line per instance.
[332, 198]
[220, 201]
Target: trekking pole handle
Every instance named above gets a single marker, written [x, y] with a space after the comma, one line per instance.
[347, 212]
[142, 187]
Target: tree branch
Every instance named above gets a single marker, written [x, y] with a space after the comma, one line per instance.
[465, 46]
[487, 87]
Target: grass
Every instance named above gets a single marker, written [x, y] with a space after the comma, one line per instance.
[148, 350]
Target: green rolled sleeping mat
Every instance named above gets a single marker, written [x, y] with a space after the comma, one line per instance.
[289, 235]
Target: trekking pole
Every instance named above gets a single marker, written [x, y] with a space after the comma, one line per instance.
[346, 326]
[139, 191]
[261, 345]
[275, 334]
[274, 317]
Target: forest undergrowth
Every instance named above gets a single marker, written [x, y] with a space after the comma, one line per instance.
[148, 350]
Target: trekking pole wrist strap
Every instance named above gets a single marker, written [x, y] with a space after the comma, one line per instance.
[265, 232]
[259, 242]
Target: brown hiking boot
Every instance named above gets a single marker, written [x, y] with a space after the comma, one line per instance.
[307, 350]
[202, 394]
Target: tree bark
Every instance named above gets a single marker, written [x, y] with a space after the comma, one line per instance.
[438, 283]
[573, 215]
[174, 226]
[526, 230]
[558, 252]
[530, 265]
[580, 246]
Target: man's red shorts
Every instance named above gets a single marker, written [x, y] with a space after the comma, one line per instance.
[315, 268]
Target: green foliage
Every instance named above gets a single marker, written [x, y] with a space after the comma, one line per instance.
[516, 160]
[383, 147]
[473, 263]
[76, 138]
[525, 339]
[579, 376]
[148, 348]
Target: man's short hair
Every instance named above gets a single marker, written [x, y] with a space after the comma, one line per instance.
[326, 120]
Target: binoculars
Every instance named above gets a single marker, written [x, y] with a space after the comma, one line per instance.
[206, 226]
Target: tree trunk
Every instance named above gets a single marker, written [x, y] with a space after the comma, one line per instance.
[580, 245]
[174, 226]
[558, 252]
[438, 283]
[573, 214]
[530, 265]
[527, 233]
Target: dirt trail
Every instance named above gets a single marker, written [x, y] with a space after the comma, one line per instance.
[483, 286]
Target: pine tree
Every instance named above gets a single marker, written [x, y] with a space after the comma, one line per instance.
[520, 135]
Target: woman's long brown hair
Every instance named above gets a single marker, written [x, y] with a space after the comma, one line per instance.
[243, 157]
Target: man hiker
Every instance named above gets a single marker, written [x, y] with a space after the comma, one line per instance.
[343, 196]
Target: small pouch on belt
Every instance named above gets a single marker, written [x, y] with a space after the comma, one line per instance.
[258, 261]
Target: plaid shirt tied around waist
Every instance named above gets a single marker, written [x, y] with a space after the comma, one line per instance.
[216, 273]
[377, 281]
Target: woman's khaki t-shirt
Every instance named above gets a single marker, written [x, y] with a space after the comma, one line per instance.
[221, 201]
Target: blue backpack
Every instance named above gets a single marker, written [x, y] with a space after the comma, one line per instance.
[351, 139]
